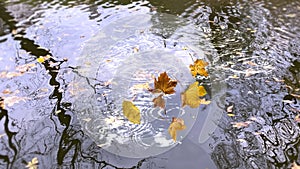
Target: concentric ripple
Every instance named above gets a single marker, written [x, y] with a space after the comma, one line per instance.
[133, 51]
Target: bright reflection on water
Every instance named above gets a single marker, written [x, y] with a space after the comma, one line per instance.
[252, 47]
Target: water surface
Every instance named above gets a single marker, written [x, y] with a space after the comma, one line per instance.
[252, 47]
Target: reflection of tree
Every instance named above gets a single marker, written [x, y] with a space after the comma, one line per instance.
[11, 139]
[50, 137]
[271, 140]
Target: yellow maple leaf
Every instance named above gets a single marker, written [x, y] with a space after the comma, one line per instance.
[164, 84]
[198, 68]
[33, 163]
[177, 124]
[131, 112]
[191, 96]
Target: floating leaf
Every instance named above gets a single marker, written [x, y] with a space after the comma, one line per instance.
[295, 166]
[177, 124]
[297, 118]
[135, 50]
[10, 101]
[7, 91]
[296, 95]
[191, 96]
[33, 163]
[230, 114]
[25, 68]
[131, 112]
[240, 124]
[159, 102]
[241, 140]
[203, 101]
[10, 74]
[164, 84]
[198, 68]
[42, 59]
[234, 77]
[229, 109]
[202, 91]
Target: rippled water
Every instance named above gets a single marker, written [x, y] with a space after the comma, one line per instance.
[252, 47]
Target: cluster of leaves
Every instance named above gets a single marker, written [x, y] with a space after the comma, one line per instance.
[164, 85]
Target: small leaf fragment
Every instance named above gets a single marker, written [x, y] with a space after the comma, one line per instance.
[202, 91]
[297, 118]
[230, 114]
[40, 59]
[33, 163]
[2, 105]
[203, 101]
[135, 49]
[229, 109]
[131, 112]
[11, 100]
[159, 102]
[240, 124]
[177, 124]
[295, 166]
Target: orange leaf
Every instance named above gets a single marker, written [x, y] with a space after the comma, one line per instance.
[159, 102]
[198, 68]
[164, 84]
[177, 124]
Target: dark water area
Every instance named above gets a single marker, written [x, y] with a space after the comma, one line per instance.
[253, 48]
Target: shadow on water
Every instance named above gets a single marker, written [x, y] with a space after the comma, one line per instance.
[263, 133]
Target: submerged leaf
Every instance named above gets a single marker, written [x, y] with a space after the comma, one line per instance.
[198, 68]
[159, 102]
[177, 124]
[164, 84]
[191, 96]
[131, 112]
